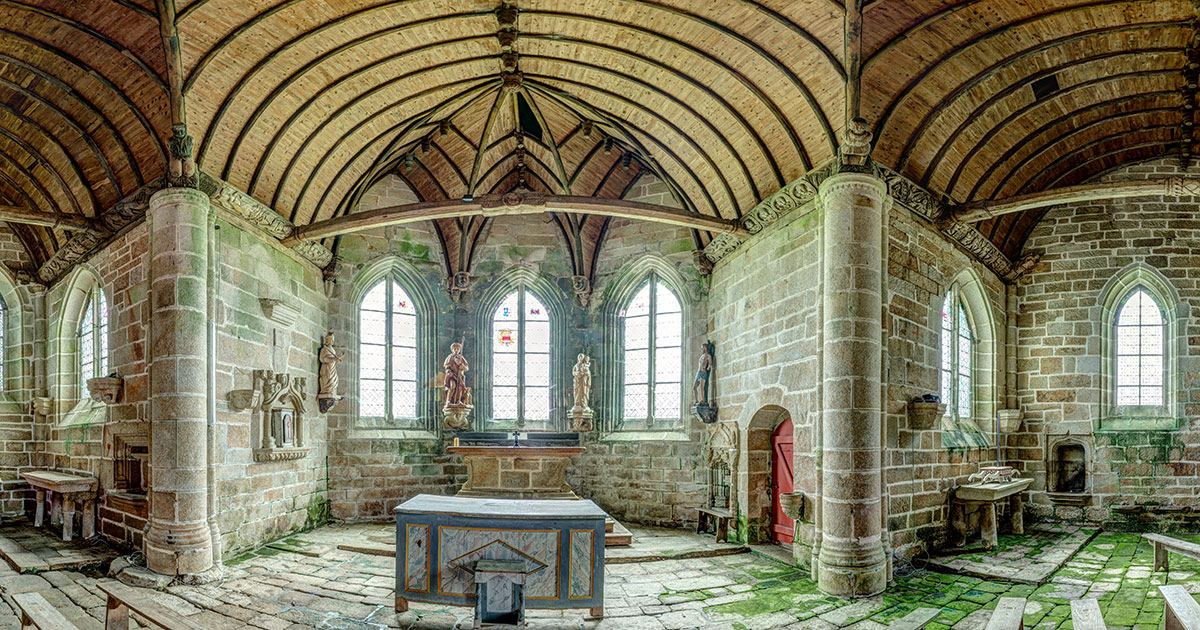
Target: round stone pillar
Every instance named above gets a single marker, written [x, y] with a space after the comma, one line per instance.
[178, 539]
[852, 562]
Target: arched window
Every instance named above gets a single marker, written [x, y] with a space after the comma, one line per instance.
[1140, 362]
[521, 359]
[652, 335]
[93, 339]
[3, 341]
[957, 356]
[387, 352]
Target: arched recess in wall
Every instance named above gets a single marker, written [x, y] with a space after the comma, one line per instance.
[1174, 311]
[755, 478]
[967, 290]
[68, 382]
[490, 297]
[415, 285]
[13, 374]
[619, 292]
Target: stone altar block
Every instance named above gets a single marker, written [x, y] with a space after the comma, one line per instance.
[438, 540]
[517, 472]
[67, 490]
[986, 495]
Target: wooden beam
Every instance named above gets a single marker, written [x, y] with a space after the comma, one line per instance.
[511, 203]
[69, 222]
[980, 210]
[853, 57]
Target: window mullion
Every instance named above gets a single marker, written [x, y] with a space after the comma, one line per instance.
[521, 355]
[651, 346]
[387, 348]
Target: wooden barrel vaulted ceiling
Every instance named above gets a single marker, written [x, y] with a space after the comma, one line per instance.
[305, 104]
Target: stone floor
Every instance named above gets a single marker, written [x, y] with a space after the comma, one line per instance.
[1030, 558]
[306, 582]
[27, 549]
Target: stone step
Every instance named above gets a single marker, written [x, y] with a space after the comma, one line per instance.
[618, 536]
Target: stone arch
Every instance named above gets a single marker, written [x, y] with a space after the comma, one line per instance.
[617, 295]
[1175, 317]
[754, 476]
[986, 368]
[12, 354]
[64, 348]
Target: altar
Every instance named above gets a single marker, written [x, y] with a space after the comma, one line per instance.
[517, 466]
[439, 540]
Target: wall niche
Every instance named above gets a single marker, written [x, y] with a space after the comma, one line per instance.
[1068, 469]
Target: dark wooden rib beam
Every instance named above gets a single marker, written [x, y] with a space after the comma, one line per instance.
[487, 206]
[1172, 186]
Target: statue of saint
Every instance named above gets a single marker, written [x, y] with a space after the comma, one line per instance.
[583, 381]
[457, 392]
[327, 379]
[700, 385]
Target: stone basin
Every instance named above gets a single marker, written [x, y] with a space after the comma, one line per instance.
[990, 491]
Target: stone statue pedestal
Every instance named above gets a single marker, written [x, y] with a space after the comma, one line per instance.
[705, 412]
[325, 403]
[457, 417]
[517, 472]
[581, 419]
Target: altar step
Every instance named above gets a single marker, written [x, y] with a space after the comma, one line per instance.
[615, 534]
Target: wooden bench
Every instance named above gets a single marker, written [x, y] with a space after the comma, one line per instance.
[38, 614]
[122, 599]
[1163, 544]
[720, 518]
[1009, 614]
[1085, 615]
[1182, 612]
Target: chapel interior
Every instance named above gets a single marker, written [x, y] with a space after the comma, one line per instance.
[599, 314]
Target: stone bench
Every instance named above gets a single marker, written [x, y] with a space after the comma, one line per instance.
[1009, 614]
[38, 614]
[123, 599]
[1085, 615]
[1182, 612]
[66, 491]
[1164, 544]
[720, 519]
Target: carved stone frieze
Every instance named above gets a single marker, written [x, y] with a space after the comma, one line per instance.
[978, 246]
[720, 246]
[909, 195]
[251, 210]
[314, 252]
[1183, 186]
[786, 199]
[74, 250]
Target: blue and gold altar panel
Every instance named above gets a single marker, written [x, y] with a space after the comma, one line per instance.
[561, 544]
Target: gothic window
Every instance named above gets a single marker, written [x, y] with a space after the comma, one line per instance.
[652, 334]
[1140, 363]
[93, 339]
[521, 359]
[387, 352]
[957, 355]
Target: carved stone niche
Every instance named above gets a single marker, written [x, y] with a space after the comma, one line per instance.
[277, 415]
[1069, 469]
[721, 455]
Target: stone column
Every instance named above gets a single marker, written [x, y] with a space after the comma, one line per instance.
[178, 539]
[852, 559]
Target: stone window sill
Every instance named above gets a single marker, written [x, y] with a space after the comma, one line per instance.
[1138, 423]
[85, 412]
[663, 435]
[279, 454]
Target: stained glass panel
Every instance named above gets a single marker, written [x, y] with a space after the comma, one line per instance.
[504, 366]
[537, 336]
[668, 364]
[87, 347]
[509, 309]
[504, 403]
[373, 399]
[401, 303]
[521, 342]
[537, 403]
[404, 399]
[385, 358]
[636, 403]
[102, 334]
[537, 370]
[1139, 345]
[640, 304]
[637, 367]
[637, 332]
[653, 333]
[957, 351]
[664, 300]
[668, 329]
[666, 400]
[534, 311]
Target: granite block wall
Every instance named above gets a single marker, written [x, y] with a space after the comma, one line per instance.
[1139, 476]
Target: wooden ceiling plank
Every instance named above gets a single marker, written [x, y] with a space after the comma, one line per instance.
[564, 182]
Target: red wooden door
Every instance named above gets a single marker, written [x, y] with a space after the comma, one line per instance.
[783, 528]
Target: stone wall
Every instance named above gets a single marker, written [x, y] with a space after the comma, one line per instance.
[374, 468]
[1138, 478]
[20, 353]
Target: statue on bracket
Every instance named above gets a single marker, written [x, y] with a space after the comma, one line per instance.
[581, 414]
[327, 378]
[457, 409]
[703, 409]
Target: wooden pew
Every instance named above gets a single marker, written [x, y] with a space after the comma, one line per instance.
[38, 614]
[122, 599]
[1085, 615]
[1009, 614]
[1182, 612]
[1164, 544]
